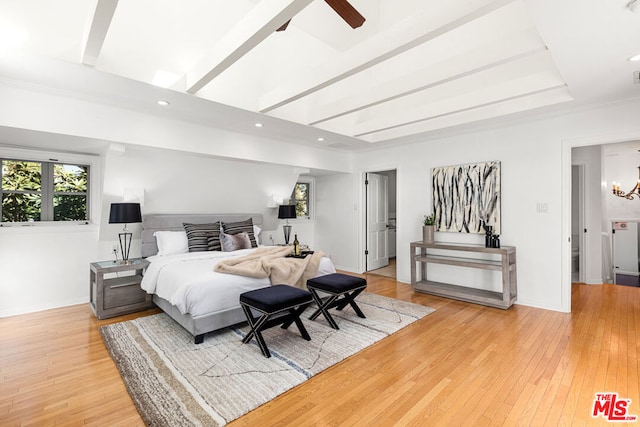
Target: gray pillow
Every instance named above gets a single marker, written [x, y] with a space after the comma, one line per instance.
[203, 237]
[239, 227]
[234, 242]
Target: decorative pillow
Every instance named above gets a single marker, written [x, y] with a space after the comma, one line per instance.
[213, 242]
[171, 242]
[198, 235]
[234, 242]
[240, 227]
[256, 234]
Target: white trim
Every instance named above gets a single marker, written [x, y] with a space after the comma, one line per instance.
[92, 160]
[312, 200]
[41, 307]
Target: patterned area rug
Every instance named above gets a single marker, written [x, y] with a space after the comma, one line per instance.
[174, 382]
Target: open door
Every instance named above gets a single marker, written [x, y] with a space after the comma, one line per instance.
[377, 221]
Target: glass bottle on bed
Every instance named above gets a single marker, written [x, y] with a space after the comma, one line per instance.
[296, 246]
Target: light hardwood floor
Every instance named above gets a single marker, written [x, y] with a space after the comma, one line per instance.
[465, 364]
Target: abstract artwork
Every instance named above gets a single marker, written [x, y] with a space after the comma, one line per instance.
[465, 197]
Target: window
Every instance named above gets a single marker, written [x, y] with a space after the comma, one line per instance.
[43, 191]
[302, 197]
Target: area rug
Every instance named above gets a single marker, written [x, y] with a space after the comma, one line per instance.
[175, 382]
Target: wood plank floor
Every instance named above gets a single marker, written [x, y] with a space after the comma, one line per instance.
[465, 364]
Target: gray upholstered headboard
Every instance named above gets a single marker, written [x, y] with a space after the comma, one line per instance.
[173, 222]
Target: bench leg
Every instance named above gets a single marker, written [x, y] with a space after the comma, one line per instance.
[294, 316]
[323, 308]
[256, 327]
[349, 298]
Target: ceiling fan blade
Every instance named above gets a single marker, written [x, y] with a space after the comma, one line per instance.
[284, 26]
[347, 12]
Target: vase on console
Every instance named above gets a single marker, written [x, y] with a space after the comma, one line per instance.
[428, 228]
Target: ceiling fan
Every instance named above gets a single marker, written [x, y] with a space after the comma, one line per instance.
[342, 8]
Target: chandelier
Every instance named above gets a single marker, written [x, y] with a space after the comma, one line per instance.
[635, 191]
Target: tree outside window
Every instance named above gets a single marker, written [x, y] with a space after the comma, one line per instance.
[300, 195]
[43, 191]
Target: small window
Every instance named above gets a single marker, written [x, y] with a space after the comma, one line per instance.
[43, 191]
[301, 196]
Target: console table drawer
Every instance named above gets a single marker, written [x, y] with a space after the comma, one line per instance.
[123, 291]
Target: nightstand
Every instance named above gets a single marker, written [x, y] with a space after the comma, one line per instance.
[121, 292]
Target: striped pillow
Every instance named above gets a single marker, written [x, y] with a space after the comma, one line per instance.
[239, 227]
[203, 237]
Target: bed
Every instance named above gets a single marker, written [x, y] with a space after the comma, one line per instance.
[185, 286]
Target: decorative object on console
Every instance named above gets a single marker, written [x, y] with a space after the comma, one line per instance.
[467, 196]
[428, 228]
[286, 212]
[125, 213]
[490, 240]
[635, 191]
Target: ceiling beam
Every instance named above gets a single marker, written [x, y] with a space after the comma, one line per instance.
[400, 38]
[479, 59]
[262, 21]
[497, 108]
[98, 31]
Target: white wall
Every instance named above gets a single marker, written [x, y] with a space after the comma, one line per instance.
[42, 268]
[533, 165]
[45, 267]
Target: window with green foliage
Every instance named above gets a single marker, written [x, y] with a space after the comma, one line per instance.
[301, 196]
[43, 191]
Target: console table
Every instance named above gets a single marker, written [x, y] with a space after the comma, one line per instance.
[506, 264]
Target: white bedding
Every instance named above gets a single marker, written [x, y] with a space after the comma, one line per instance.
[189, 282]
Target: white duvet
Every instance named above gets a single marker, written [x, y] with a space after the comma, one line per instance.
[189, 282]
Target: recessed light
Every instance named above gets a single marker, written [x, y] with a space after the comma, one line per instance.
[258, 125]
[320, 139]
[634, 58]
[163, 102]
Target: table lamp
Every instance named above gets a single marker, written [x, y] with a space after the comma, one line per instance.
[286, 212]
[125, 213]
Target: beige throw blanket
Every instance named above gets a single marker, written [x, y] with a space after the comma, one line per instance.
[272, 262]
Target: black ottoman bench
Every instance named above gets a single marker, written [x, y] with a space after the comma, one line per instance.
[277, 305]
[342, 290]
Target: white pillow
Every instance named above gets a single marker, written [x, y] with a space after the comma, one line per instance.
[171, 242]
[256, 234]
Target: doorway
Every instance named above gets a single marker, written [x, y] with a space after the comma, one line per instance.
[577, 223]
[626, 245]
[380, 222]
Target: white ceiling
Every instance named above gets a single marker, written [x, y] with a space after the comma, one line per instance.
[415, 66]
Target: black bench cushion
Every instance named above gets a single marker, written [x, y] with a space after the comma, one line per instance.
[275, 298]
[336, 283]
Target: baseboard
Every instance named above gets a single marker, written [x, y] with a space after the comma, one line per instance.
[41, 307]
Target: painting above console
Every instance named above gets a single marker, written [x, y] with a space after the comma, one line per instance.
[466, 197]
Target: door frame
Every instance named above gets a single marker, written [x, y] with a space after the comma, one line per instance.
[582, 241]
[565, 236]
[362, 229]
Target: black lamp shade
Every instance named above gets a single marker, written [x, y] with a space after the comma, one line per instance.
[125, 213]
[286, 211]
